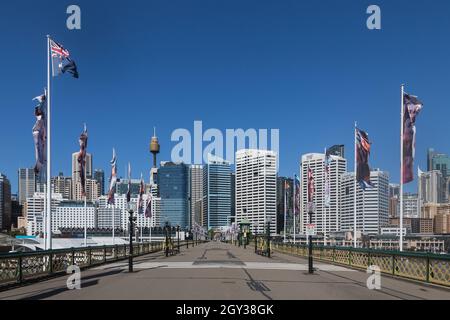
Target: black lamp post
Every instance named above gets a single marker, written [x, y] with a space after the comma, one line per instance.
[310, 242]
[132, 219]
[269, 220]
[178, 238]
[166, 228]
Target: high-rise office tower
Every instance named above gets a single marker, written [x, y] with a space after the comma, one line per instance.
[62, 185]
[27, 184]
[256, 189]
[326, 218]
[372, 205]
[337, 150]
[76, 184]
[173, 185]
[196, 191]
[216, 193]
[34, 211]
[430, 187]
[5, 203]
[441, 162]
[99, 176]
[394, 200]
[285, 200]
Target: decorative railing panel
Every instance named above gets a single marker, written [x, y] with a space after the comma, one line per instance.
[427, 267]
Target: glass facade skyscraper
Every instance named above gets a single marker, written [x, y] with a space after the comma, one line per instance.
[216, 193]
[173, 184]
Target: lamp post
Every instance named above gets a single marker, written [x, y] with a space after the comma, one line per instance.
[132, 219]
[166, 229]
[310, 242]
[269, 220]
[178, 238]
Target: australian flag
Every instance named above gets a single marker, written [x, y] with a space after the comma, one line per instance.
[61, 60]
[362, 159]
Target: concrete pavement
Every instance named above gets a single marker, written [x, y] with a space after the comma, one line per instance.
[218, 271]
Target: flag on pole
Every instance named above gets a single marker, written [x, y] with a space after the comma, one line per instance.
[411, 108]
[311, 185]
[148, 207]
[327, 179]
[363, 146]
[40, 133]
[129, 183]
[112, 179]
[141, 196]
[82, 160]
[61, 61]
[297, 195]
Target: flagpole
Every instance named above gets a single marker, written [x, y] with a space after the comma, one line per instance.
[285, 210]
[401, 166]
[324, 208]
[85, 189]
[49, 182]
[294, 210]
[85, 215]
[114, 224]
[355, 188]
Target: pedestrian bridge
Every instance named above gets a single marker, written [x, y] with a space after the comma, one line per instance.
[222, 271]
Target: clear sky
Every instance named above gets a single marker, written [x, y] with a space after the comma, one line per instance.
[308, 68]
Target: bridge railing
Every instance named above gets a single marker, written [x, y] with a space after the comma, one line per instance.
[427, 267]
[18, 268]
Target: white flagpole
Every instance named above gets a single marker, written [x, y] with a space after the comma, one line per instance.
[294, 210]
[355, 188]
[285, 210]
[325, 204]
[401, 167]
[113, 224]
[49, 182]
[85, 215]
[44, 218]
[85, 196]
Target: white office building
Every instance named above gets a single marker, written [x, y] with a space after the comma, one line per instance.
[121, 213]
[256, 188]
[196, 191]
[326, 218]
[372, 205]
[34, 211]
[73, 214]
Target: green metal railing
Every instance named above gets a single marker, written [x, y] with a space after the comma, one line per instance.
[262, 245]
[427, 267]
[18, 268]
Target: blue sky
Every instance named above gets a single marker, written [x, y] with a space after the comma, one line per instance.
[308, 68]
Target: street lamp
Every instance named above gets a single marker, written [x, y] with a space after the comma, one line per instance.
[178, 238]
[132, 219]
[269, 221]
[166, 229]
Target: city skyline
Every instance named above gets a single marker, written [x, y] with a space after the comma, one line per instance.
[187, 71]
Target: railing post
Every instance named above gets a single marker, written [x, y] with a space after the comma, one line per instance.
[104, 254]
[73, 256]
[334, 254]
[50, 261]
[89, 256]
[428, 268]
[393, 264]
[20, 274]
